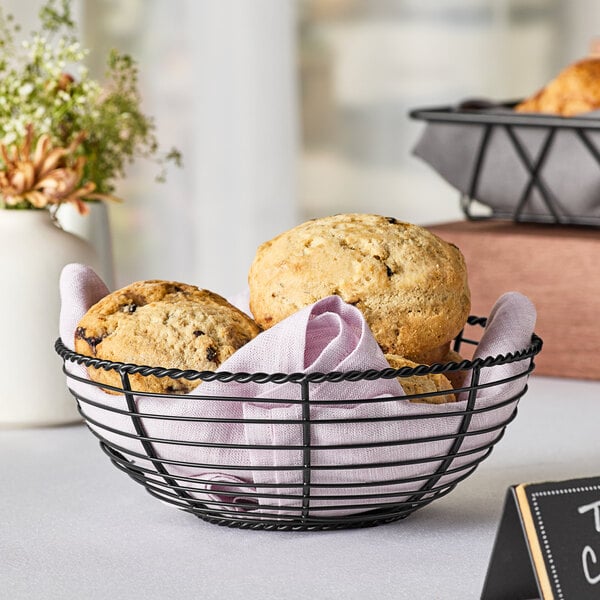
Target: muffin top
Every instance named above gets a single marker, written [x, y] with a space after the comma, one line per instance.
[422, 384]
[163, 324]
[410, 285]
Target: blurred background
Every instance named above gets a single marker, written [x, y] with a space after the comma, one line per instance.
[286, 110]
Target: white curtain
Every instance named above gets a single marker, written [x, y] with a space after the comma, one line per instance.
[245, 127]
[367, 63]
[220, 78]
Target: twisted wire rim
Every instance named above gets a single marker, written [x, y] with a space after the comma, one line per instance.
[532, 349]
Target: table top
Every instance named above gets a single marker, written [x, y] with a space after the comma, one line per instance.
[73, 526]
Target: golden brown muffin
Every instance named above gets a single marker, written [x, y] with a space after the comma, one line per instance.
[456, 378]
[410, 285]
[574, 91]
[162, 324]
[422, 384]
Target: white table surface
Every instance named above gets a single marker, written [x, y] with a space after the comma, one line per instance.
[74, 527]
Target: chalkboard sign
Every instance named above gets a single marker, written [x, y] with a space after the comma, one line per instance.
[548, 543]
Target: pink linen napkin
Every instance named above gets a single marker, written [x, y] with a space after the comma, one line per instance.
[237, 451]
[509, 328]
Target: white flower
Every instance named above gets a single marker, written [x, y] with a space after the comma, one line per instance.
[9, 138]
[21, 128]
[25, 89]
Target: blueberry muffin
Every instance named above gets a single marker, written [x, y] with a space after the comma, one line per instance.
[410, 285]
[162, 324]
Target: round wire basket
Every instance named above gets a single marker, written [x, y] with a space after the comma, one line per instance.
[309, 464]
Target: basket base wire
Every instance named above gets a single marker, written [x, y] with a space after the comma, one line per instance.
[173, 492]
[228, 514]
[218, 512]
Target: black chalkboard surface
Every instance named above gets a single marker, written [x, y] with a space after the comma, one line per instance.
[548, 543]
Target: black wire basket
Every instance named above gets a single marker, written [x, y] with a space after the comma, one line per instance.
[554, 175]
[299, 489]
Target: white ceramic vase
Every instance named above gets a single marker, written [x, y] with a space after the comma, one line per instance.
[33, 251]
[95, 228]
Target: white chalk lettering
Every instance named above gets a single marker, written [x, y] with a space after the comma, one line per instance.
[595, 506]
[588, 555]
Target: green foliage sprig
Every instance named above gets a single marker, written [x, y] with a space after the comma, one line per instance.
[45, 85]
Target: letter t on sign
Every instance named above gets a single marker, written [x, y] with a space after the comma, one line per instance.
[595, 506]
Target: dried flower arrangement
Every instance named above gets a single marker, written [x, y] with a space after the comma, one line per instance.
[87, 132]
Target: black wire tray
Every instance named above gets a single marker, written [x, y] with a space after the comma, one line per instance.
[304, 502]
[491, 118]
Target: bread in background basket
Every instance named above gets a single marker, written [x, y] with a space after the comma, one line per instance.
[574, 91]
[531, 161]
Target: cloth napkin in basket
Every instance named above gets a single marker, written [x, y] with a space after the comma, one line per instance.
[233, 451]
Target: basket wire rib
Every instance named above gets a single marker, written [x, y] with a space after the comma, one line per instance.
[533, 167]
[304, 503]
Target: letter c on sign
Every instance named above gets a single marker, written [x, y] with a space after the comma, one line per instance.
[589, 553]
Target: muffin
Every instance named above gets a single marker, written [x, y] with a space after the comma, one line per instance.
[574, 91]
[456, 378]
[422, 384]
[410, 285]
[162, 324]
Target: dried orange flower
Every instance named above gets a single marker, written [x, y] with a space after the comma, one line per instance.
[48, 177]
